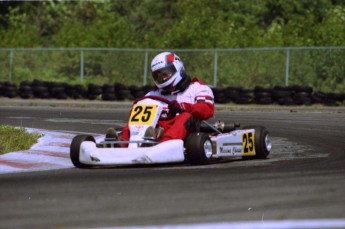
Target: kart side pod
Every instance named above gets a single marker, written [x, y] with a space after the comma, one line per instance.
[248, 142]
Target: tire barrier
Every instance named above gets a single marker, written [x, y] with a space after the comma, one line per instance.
[281, 95]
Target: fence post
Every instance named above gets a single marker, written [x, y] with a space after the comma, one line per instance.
[145, 67]
[215, 68]
[11, 65]
[81, 65]
[287, 63]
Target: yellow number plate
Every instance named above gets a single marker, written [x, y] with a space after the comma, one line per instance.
[248, 148]
[142, 114]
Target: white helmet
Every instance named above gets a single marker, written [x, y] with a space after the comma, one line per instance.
[167, 70]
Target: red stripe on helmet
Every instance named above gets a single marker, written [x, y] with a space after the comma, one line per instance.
[171, 57]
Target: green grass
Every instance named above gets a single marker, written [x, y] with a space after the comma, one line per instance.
[16, 139]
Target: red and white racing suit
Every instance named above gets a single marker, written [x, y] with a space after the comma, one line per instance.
[198, 103]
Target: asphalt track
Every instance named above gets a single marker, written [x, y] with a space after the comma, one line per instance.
[303, 179]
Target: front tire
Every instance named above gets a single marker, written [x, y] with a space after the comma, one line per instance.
[199, 149]
[75, 150]
[262, 142]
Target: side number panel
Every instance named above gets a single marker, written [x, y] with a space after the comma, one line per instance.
[248, 147]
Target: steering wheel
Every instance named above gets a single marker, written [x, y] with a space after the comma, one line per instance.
[170, 114]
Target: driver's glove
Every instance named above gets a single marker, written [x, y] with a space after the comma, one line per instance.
[177, 107]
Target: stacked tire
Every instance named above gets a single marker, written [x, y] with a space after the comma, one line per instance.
[2, 89]
[25, 90]
[281, 95]
[122, 92]
[328, 99]
[40, 89]
[263, 95]
[136, 91]
[294, 95]
[94, 91]
[219, 95]
[108, 92]
[232, 93]
[246, 96]
[9, 89]
[57, 90]
[76, 91]
[236, 95]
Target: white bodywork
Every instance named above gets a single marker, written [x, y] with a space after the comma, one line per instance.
[169, 151]
[224, 145]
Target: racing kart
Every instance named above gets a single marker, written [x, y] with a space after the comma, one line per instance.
[204, 145]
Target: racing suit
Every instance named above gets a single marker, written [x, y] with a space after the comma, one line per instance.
[197, 101]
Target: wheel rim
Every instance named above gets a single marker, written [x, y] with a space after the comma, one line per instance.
[208, 148]
[268, 143]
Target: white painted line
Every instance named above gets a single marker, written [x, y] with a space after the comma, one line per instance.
[274, 224]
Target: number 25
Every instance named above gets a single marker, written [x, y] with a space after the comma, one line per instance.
[143, 114]
[248, 142]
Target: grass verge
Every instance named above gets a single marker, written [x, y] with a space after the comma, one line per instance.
[16, 139]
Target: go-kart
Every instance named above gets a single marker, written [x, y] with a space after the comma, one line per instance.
[204, 145]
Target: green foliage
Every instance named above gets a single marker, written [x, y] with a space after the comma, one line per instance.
[177, 24]
[169, 24]
[15, 139]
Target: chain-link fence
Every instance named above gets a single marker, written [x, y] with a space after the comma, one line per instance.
[319, 67]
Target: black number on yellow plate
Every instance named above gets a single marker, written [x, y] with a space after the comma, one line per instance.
[248, 148]
[142, 114]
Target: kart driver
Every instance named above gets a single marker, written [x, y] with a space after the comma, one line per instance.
[191, 99]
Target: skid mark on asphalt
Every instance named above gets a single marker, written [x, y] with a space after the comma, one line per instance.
[51, 152]
[284, 149]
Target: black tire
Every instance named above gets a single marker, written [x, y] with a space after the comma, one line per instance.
[123, 95]
[262, 142]
[259, 95]
[2, 88]
[26, 95]
[243, 100]
[25, 88]
[281, 94]
[108, 96]
[195, 148]
[264, 100]
[94, 89]
[259, 89]
[299, 89]
[220, 97]
[303, 98]
[108, 89]
[232, 93]
[10, 92]
[75, 149]
[138, 94]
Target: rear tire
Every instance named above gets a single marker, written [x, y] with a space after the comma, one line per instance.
[199, 149]
[75, 149]
[262, 142]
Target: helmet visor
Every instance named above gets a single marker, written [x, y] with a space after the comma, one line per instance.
[164, 74]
